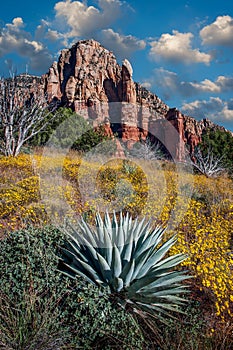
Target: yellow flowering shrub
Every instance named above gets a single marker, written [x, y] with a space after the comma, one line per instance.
[39, 190]
[206, 239]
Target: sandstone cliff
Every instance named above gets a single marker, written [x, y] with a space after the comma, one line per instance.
[88, 79]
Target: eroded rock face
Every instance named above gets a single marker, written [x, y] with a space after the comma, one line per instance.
[88, 79]
[86, 73]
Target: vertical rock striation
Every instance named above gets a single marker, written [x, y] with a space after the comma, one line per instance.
[88, 79]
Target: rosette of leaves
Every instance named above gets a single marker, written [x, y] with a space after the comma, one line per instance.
[129, 258]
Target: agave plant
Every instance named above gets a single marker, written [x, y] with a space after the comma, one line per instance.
[128, 257]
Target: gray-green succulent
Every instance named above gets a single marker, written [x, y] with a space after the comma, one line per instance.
[128, 257]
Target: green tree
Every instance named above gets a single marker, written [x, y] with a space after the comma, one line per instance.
[221, 144]
[69, 129]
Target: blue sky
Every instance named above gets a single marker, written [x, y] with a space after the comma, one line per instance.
[181, 50]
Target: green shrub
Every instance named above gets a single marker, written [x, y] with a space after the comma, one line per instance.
[43, 302]
[69, 129]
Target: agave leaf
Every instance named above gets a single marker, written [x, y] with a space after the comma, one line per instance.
[117, 284]
[73, 273]
[114, 221]
[107, 222]
[127, 227]
[87, 273]
[172, 290]
[104, 268]
[137, 285]
[106, 251]
[160, 253]
[72, 256]
[144, 233]
[140, 233]
[107, 254]
[151, 283]
[151, 299]
[116, 228]
[116, 262]
[99, 230]
[99, 221]
[162, 267]
[130, 234]
[174, 299]
[141, 262]
[144, 268]
[152, 239]
[125, 222]
[172, 261]
[107, 238]
[87, 234]
[127, 251]
[78, 264]
[157, 312]
[127, 273]
[131, 240]
[72, 237]
[162, 307]
[120, 239]
[170, 278]
[121, 234]
[166, 306]
[86, 252]
[71, 230]
[91, 254]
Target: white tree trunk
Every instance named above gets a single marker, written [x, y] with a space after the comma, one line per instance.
[22, 115]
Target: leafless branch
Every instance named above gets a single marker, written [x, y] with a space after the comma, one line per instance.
[208, 165]
[24, 113]
[148, 150]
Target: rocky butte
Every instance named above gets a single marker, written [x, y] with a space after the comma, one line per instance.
[88, 79]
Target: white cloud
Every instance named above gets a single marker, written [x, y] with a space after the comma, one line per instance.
[221, 84]
[17, 22]
[177, 48]
[53, 35]
[83, 20]
[214, 109]
[41, 30]
[13, 38]
[121, 45]
[220, 32]
[147, 85]
[171, 84]
[206, 86]
[75, 19]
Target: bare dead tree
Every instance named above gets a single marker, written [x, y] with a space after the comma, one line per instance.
[148, 150]
[24, 113]
[209, 164]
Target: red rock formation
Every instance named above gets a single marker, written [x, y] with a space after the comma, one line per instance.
[175, 141]
[88, 79]
[53, 83]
